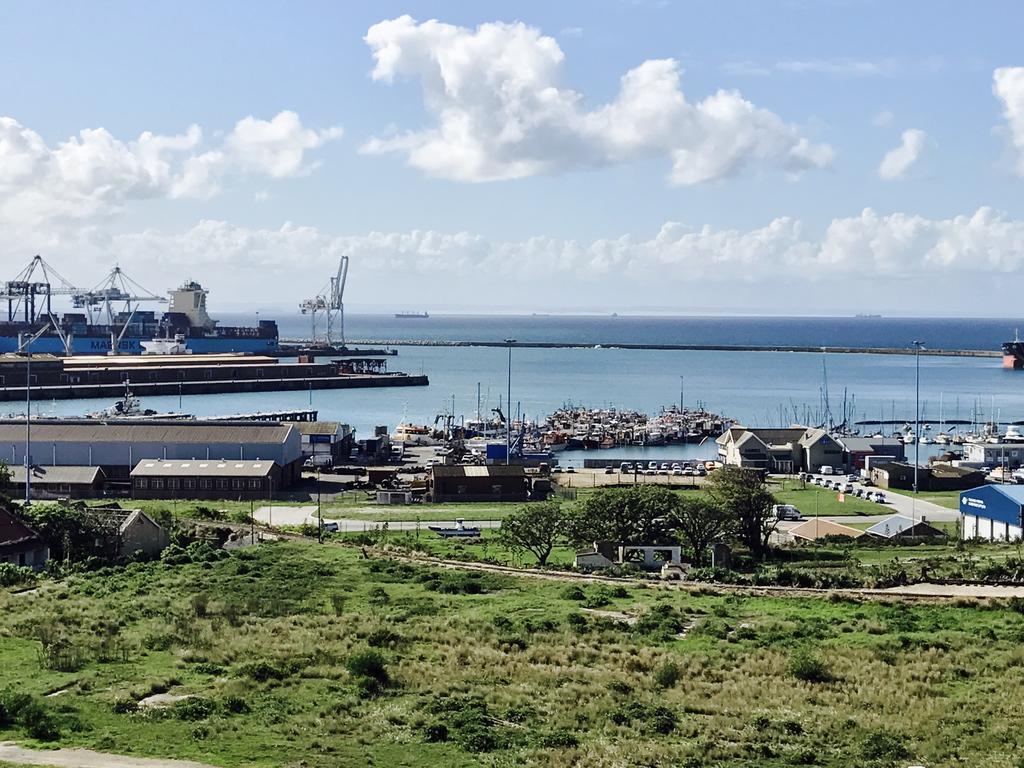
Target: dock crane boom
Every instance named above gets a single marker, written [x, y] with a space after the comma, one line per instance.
[331, 303]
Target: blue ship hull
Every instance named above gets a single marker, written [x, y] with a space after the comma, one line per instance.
[100, 345]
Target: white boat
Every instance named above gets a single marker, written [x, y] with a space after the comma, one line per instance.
[1013, 435]
[413, 434]
[176, 345]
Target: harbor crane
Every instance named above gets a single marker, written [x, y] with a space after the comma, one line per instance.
[331, 303]
[29, 298]
[115, 288]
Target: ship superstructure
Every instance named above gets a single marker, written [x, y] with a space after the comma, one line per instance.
[109, 318]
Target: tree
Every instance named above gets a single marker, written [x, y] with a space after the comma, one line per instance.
[5, 481]
[638, 514]
[699, 521]
[534, 528]
[742, 492]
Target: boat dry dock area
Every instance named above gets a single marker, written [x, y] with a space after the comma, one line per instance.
[65, 378]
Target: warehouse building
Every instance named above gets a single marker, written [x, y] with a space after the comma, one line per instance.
[58, 482]
[116, 446]
[325, 442]
[992, 512]
[937, 477]
[496, 482]
[191, 479]
[861, 451]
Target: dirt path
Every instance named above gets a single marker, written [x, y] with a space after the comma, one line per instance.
[916, 593]
[86, 758]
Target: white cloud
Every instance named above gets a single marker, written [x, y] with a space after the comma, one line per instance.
[842, 67]
[831, 67]
[288, 262]
[1008, 86]
[883, 119]
[897, 162]
[96, 174]
[501, 112]
[275, 147]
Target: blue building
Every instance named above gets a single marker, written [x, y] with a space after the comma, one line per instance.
[992, 512]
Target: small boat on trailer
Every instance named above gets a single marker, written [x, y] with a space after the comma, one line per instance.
[460, 530]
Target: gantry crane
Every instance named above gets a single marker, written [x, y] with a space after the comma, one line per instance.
[331, 303]
[115, 288]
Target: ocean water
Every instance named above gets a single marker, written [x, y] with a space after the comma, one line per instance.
[754, 388]
[884, 332]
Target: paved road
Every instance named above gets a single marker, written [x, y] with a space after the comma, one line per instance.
[86, 758]
[902, 504]
[286, 515]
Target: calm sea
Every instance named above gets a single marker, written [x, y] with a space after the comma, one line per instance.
[755, 388]
[946, 333]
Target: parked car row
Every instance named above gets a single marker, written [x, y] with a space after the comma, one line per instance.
[845, 484]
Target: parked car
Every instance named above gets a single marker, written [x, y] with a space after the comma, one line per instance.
[845, 488]
[557, 471]
[625, 467]
[880, 498]
[331, 526]
[570, 470]
[859, 492]
[677, 472]
[609, 470]
[786, 512]
[665, 467]
[826, 470]
[853, 478]
[652, 465]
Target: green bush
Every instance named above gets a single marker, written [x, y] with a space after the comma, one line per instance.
[667, 674]
[435, 732]
[12, 575]
[804, 665]
[235, 705]
[382, 638]
[368, 664]
[23, 710]
[263, 670]
[193, 708]
[559, 739]
[883, 746]
[125, 706]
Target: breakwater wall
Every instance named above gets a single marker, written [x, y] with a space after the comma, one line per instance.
[211, 386]
[686, 347]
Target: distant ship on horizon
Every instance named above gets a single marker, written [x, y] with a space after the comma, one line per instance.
[412, 315]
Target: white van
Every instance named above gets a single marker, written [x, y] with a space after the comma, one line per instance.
[826, 470]
[786, 512]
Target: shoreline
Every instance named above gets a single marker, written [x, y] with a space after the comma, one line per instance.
[669, 347]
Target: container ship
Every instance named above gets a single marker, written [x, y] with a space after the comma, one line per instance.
[109, 319]
[412, 315]
[1013, 353]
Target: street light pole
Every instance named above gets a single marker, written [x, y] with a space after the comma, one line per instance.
[508, 406]
[319, 512]
[917, 424]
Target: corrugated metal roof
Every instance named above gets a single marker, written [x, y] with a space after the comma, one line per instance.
[202, 468]
[70, 475]
[816, 529]
[315, 427]
[117, 431]
[13, 530]
[492, 470]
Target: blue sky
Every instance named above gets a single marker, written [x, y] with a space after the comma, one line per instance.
[849, 77]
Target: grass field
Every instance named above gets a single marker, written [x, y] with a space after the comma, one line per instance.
[498, 671]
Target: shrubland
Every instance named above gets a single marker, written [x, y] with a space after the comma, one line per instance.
[304, 654]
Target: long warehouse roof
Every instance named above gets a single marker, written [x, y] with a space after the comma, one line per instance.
[96, 431]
